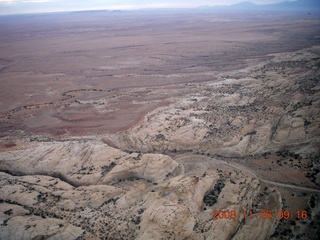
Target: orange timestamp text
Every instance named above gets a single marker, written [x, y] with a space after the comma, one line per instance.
[261, 214]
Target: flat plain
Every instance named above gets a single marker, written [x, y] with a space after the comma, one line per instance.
[138, 125]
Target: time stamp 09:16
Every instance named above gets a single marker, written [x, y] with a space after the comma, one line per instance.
[262, 214]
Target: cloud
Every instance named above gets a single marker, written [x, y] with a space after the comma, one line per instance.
[22, 1]
[29, 6]
[137, 2]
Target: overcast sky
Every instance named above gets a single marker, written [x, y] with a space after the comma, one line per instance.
[27, 6]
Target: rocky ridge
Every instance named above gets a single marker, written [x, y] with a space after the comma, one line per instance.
[260, 108]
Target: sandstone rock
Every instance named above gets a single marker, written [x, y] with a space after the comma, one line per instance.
[151, 167]
[148, 182]
[33, 227]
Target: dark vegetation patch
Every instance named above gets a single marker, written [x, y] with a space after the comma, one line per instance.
[160, 137]
[287, 153]
[106, 169]
[211, 197]
[8, 212]
[112, 200]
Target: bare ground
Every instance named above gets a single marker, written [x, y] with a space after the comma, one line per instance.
[140, 125]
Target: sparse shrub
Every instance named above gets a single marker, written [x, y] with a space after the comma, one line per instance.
[8, 212]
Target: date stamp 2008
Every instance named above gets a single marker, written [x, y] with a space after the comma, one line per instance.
[262, 214]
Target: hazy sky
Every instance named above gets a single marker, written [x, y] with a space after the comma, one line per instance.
[24, 6]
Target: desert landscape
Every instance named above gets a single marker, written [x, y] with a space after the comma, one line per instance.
[185, 124]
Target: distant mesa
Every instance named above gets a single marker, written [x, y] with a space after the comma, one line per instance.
[300, 5]
[237, 6]
[245, 5]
